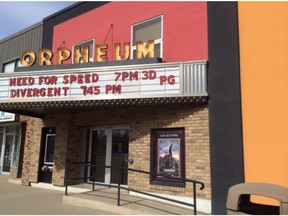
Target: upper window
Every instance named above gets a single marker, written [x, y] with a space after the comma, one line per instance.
[9, 67]
[81, 47]
[149, 30]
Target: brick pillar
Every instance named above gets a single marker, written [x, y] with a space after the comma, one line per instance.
[60, 150]
[31, 149]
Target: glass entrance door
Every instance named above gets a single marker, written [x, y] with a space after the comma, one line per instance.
[120, 144]
[108, 147]
[98, 154]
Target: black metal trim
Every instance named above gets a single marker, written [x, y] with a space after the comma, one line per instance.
[39, 109]
[225, 115]
[104, 103]
[64, 15]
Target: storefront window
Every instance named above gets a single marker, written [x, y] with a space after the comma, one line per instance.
[1, 140]
[15, 152]
[148, 30]
[90, 44]
[16, 146]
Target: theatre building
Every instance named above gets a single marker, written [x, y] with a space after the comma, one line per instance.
[152, 86]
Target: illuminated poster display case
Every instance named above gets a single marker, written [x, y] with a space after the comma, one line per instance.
[167, 154]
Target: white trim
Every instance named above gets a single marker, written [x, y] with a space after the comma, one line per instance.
[104, 69]
[48, 135]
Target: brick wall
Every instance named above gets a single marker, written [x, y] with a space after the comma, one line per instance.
[140, 120]
[68, 145]
[61, 122]
[32, 146]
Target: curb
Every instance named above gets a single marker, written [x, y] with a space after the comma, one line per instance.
[102, 206]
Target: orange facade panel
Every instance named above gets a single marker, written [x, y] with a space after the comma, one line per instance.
[263, 31]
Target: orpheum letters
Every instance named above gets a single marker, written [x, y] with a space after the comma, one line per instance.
[45, 56]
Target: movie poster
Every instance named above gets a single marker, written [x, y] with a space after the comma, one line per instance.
[169, 153]
[169, 157]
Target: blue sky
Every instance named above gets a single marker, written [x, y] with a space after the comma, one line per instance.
[18, 15]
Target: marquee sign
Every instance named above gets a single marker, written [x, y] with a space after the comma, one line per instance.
[145, 81]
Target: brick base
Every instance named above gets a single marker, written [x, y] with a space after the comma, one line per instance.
[140, 120]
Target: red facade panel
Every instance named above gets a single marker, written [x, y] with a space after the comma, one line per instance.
[184, 27]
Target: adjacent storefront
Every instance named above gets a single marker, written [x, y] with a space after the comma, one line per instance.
[10, 142]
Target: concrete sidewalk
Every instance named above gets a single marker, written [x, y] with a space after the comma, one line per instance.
[47, 199]
[16, 199]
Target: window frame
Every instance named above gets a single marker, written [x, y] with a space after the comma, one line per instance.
[16, 63]
[156, 41]
[9, 62]
[45, 153]
[91, 59]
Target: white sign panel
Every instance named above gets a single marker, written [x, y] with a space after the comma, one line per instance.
[6, 116]
[92, 84]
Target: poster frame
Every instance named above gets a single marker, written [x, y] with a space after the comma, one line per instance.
[166, 160]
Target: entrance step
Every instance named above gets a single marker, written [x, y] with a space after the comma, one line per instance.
[14, 181]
